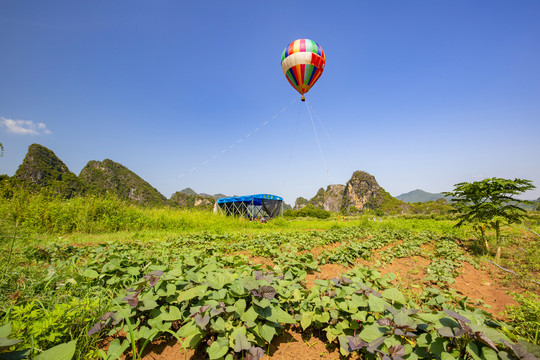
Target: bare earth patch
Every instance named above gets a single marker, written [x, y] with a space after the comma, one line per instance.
[328, 271]
[485, 286]
[411, 271]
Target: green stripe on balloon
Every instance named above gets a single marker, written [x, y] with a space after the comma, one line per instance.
[307, 73]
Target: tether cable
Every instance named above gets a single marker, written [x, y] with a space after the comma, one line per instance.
[318, 143]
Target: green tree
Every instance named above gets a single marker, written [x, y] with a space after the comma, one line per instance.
[490, 203]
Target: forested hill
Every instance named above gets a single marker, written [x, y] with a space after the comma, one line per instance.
[419, 196]
[41, 168]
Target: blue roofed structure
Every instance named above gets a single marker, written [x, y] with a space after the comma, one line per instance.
[259, 206]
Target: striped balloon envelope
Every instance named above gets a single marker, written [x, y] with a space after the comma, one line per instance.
[302, 63]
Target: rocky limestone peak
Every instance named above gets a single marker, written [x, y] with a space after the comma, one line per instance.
[300, 203]
[41, 166]
[330, 199]
[363, 192]
[185, 200]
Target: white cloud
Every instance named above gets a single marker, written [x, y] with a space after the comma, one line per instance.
[24, 127]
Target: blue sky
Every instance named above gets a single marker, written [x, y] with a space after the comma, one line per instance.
[420, 94]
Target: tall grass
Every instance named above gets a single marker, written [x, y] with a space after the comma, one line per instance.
[44, 214]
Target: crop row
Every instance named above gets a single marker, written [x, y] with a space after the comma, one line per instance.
[204, 291]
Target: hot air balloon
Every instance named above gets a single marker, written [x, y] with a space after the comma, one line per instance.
[303, 64]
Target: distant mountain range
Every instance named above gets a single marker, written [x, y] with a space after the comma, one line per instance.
[419, 196]
[41, 168]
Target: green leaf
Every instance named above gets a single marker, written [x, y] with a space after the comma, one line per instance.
[5, 342]
[133, 271]
[376, 304]
[250, 283]
[194, 292]
[240, 306]
[267, 332]
[237, 289]
[90, 273]
[307, 317]
[394, 295]
[5, 330]
[447, 356]
[371, 332]
[250, 315]
[474, 351]
[280, 316]
[360, 316]
[489, 354]
[173, 314]
[217, 280]
[116, 349]
[423, 340]
[322, 318]
[218, 349]
[263, 303]
[403, 319]
[358, 301]
[16, 355]
[241, 342]
[188, 329]
[59, 352]
[438, 346]
[491, 333]
[219, 325]
[148, 302]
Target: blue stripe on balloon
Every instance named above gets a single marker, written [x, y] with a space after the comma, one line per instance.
[291, 76]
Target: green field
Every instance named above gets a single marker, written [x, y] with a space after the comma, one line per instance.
[96, 277]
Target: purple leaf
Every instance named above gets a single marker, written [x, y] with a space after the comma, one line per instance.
[157, 273]
[480, 336]
[132, 299]
[396, 350]
[202, 321]
[204, 308]
[96, 328]
[107, 316]
[466, 328]
[355, 343]
[385, 322]
[268, 292]
[214, 311]
[153, 277]
[255, 353]
[456, 316]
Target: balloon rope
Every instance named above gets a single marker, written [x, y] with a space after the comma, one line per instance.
[231, 146]
[318, 143]
[288, 167]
